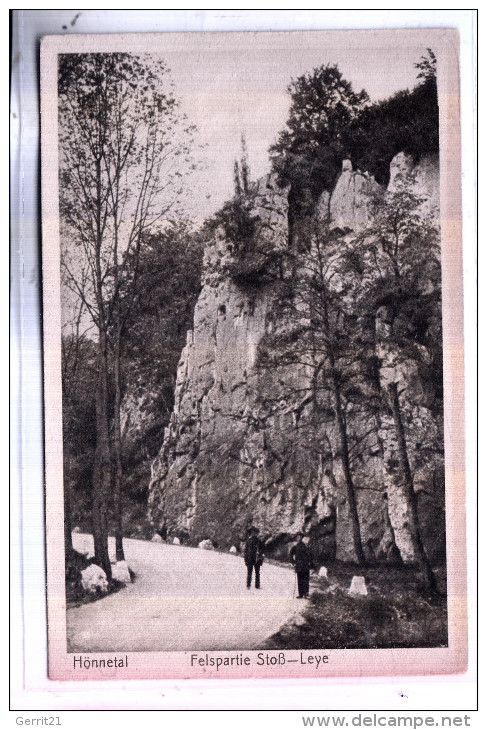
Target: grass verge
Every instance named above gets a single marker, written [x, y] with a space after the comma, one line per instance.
[394, 614]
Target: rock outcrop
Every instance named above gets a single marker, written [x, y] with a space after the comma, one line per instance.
[426, 180]
[243, 445]
[350, 203]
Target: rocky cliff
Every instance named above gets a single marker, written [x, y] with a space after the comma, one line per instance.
[244, 445]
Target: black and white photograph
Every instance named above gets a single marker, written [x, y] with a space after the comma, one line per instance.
[253, 354]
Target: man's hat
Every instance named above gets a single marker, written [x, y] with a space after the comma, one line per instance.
[254, 529]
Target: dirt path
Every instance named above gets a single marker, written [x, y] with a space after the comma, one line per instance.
[183, 599]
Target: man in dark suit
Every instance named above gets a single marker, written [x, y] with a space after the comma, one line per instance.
[253, 556]
[300, 557]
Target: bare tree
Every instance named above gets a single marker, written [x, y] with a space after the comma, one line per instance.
[124, 148]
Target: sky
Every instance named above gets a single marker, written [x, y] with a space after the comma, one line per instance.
[229, 86]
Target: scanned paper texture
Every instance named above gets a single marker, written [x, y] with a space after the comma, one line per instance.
[253, 354]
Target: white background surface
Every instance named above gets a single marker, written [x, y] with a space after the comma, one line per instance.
[30, 688]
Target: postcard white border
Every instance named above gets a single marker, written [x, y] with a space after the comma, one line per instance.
[361, 17]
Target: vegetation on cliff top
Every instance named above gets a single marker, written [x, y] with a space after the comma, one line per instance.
[329, 122]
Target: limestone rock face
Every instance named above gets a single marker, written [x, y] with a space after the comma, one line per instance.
[322, 211]
[232, 454]
[425, 178]
[351, 198]
[243, 446]
[136, 416]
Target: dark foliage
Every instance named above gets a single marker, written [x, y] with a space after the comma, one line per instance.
[255, 258]
[168, 284]
[239, 222]
[309, 153]
[342, 622]
[407, 122]
[329, 122]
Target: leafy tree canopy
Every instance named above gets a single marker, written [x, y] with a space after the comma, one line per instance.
[323, 105]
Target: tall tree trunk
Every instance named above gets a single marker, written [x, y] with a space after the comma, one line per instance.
[68, 538]
[377, 389]
[117, 446]
[345, 459]
[102, 463]
[427, 574]
[341, 422]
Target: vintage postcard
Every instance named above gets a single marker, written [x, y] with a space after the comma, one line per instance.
[254, 414]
